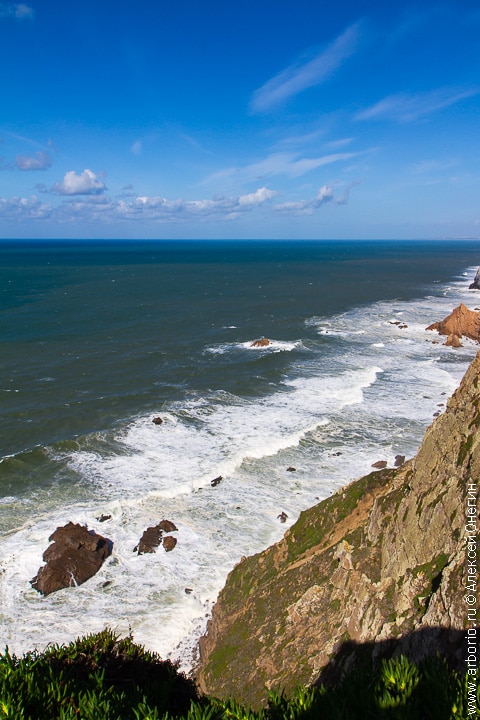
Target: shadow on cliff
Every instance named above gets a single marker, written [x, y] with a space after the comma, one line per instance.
[417, 646]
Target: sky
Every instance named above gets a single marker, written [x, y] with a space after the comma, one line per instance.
[255, 119]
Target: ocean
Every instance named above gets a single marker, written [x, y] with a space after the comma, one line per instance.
[99, 338]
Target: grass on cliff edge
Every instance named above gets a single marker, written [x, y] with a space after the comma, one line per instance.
[103, 677]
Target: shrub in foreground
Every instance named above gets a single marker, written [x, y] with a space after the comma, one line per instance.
[102, 677]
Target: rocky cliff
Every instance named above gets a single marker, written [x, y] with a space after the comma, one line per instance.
[376, 568]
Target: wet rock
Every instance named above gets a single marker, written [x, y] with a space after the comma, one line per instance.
[453, 341]
[104, 518]
[153, 537]
[380, 464]
[157, 421]
[263, 342]
[216, 481]
[475, 285]
[169, 543]
[74, 556]
[399, 460]
[291, 469]
[282, 517]
[150, 540]
[167, 526]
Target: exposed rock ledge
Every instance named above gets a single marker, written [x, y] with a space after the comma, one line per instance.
[460, 322]
[380, 564]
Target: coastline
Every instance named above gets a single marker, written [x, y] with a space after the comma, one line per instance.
[331, 404]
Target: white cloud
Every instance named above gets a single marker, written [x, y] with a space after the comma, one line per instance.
[40, 161]
[21, 208]
[298, 77]
[405, 107]
[432, 166]
[306, 207]
[136, 148]
[15, 10]
[256, 198]
[280, 163]
[101, 208]
[86, 183]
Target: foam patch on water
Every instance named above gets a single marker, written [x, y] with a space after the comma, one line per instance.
[274, 346]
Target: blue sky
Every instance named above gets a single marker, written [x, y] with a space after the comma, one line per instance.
[259, 119]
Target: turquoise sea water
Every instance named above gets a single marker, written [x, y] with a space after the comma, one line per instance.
[99, 338]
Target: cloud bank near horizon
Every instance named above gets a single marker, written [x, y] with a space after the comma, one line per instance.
[98, 207]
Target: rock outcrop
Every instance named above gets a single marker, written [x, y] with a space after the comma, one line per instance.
[263, 342]
[379, 567]
[475, 285]
[153, 537]
[461, 322]
[74, 556]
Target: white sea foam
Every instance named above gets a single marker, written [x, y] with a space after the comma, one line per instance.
[367, 394]
[274, 346]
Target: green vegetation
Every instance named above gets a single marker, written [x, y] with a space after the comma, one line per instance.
[102, 677]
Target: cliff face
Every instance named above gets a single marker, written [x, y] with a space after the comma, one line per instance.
[378, 565]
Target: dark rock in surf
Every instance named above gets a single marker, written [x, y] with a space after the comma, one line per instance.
[216, 481]
[104, 518]
[157, 421]
[169, 543]
[475, 285]
[380, 464]
[263, 342]
[282, 517]
[399, 460]
[153, 537]
[150, 540]
[291, 469]
[74, 556]
[167, 526]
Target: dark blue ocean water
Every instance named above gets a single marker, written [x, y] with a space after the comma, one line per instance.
[97, 338]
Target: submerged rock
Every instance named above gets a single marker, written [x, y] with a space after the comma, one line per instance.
[75, 555]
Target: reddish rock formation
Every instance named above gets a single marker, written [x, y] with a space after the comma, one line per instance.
[75, 555]
[380, 464]
[263, 342]
[453, 341]
[460, 322]
[157, 421]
